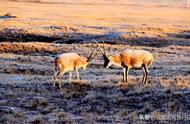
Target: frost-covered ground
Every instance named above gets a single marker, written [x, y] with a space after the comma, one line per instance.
[27, 95]
[32, 34]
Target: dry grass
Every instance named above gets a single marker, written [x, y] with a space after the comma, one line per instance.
[33, 33]
[101, 97]
[51, 19]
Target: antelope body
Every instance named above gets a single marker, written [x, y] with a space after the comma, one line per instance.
[129, 59]
[69, 62]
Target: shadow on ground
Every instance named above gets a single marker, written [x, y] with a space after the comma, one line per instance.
[20, 35]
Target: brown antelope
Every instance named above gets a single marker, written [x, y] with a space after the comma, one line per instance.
[129, 59]
[69, 62]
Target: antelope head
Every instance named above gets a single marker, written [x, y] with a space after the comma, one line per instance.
[88, 59]
[107, 61]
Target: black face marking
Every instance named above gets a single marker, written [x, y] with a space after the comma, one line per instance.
[106, 61]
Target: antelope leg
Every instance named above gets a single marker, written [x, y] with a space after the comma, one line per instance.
[55, 77]
[145, 74]
[126, 73]
[78, 76]
[70, 76]
[59, 77]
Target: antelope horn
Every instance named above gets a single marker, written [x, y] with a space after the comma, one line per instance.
[103, 53]
[90, 57]
[103, 45]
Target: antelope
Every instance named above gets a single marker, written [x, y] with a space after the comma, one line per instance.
[129, 59]
[68, 62]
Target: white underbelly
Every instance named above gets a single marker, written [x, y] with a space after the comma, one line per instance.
[137, 65]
